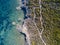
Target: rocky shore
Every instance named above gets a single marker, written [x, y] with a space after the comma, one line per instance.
[23, 28]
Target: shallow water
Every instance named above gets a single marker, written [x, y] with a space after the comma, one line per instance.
[8, 14]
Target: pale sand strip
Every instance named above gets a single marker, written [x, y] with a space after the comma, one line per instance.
[24, 29]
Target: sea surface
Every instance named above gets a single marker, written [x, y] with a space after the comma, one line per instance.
[9, 35]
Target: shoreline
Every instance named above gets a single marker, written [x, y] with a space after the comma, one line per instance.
[23, 28]
[24, 8]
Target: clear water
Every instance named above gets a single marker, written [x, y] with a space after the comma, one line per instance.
[8, 14]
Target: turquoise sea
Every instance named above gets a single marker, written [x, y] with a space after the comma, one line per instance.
[8, 14]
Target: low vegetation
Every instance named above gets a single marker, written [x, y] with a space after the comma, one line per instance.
[51, 18]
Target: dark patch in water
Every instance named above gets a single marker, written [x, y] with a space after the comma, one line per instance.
[2, 38]
[24, 10]
[24, 35]
[22, 0]
[1, 43]
[25, 17]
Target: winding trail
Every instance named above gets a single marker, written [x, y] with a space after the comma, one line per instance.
[41, 20]
[24, 29]
[40, 33]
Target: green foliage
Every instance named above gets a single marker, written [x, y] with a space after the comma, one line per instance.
[52, 0]
[52, 23]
